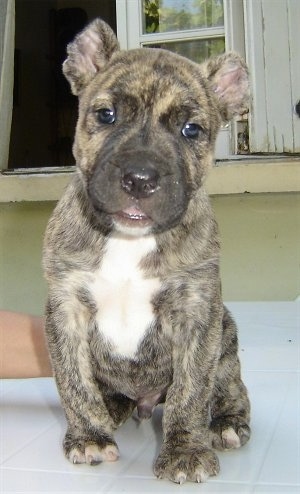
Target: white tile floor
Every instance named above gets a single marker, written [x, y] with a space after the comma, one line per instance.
[32, 425]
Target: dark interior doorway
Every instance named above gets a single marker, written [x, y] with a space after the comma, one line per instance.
[45, 112]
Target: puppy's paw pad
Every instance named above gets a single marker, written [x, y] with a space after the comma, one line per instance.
[230, 439]
[180, 478]
[92, 453]
[201, 475]
[110, 453]
[227, 434]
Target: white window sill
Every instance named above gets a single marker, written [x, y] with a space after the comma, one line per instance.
[255, 175]
[230, 177]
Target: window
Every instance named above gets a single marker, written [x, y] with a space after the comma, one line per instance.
[266, 32]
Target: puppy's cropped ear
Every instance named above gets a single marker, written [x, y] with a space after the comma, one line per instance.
[88, 53]
[229, 80]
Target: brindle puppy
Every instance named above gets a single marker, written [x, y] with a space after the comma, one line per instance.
[135, 314]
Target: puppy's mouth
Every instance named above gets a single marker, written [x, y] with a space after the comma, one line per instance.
[133, 216]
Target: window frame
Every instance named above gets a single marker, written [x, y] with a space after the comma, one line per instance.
[136, 37]
[7, 44]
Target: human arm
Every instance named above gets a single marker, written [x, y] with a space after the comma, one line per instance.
[23, 346]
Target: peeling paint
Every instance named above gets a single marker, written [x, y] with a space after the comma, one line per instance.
[273, 56]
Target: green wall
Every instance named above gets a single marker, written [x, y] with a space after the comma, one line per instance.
[260, 236]
[22, 287]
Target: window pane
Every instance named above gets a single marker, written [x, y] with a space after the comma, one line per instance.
[197, 49]
[161, 16]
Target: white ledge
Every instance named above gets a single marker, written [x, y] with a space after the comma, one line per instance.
[231, 177]
[254, 176]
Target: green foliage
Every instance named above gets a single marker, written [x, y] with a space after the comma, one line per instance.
[151, 11]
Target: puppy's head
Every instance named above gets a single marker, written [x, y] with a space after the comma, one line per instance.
[147, 125]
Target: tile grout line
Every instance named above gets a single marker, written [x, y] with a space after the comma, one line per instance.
[27, 443]
[267, 449]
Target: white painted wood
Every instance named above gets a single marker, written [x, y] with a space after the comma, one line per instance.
[277, 73]
[234, 26]
[255, 58]
[272, 46]
[134, 28]
[122, 30]
[190, 34]
[227, 142]
[294, 37]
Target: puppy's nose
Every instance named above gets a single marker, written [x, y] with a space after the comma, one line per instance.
[140, 182]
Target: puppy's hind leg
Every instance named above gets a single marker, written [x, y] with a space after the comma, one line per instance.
[119, 406]
[230, 406]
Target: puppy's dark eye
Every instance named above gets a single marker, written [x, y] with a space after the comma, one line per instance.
[191, 130]
[106, 115]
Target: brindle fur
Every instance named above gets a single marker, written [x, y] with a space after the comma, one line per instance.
[189, 354]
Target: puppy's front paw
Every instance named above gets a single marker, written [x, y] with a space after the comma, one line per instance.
[183, 464]
[80, 450]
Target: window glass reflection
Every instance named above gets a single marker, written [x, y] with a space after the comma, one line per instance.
[161, 16]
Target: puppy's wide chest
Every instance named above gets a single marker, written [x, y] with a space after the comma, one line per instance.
[123, 294]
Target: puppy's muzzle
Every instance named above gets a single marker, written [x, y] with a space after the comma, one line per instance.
[140, 182]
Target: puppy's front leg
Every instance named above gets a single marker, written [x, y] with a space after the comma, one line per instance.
[89, 436]
[186, 452]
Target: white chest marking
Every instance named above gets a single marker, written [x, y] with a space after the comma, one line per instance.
[122, 293]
